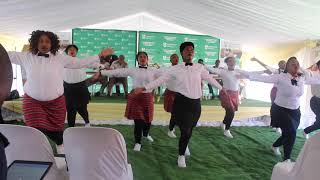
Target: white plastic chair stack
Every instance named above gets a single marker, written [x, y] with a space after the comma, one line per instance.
[306, 166]
[96, 154]
[29, 144]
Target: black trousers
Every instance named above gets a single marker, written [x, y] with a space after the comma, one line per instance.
[72, 113]
[77, 97]
[56, 136]
[3, 162]
[274, 121]
[228, 118]
[315, 107]
[186, 112]
[140, 128]
[289, 121]
[172, 122]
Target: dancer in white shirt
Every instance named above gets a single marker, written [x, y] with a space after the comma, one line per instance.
[187, 78]
[139, 107]
[314, 101]
[230, 99]
[286, 110]
[76, 90]
[273, 93]
[169, 95]
[43, 103]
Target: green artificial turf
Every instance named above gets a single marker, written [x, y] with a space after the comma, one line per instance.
[215, 102]
[247, 156]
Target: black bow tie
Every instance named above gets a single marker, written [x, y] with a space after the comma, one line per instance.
[143, 67]
[189, 64]
[294, 82]
[43, 55]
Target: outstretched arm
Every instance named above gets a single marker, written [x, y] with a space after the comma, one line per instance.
[123, 72]
[260, 78]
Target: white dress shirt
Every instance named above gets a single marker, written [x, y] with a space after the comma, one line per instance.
[288, 95]
[230, 79]
[73, 76]
[45, 75]
[187, 80]
[140, 76]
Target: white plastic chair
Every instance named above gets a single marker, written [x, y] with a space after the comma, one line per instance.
[305, 168]
[97, 154]
[29, 144]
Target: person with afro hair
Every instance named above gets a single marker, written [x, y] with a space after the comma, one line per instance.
[44, 105]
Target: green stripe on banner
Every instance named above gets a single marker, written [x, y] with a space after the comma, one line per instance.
[160, 46]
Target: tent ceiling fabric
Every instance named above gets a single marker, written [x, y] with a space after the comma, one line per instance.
[244, 21]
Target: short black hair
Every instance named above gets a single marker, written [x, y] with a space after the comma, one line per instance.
[70, 46]
[141, 52]
[184, 45]
[34, 40]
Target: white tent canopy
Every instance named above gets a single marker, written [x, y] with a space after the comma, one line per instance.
[243, 21]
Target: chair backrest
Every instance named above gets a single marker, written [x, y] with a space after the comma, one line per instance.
[308, 161]
[27, 143]
[95, 153]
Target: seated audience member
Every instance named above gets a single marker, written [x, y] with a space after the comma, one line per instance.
[118, 64]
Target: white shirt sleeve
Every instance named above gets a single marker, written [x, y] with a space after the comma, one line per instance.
[76, 63]
[263, 78]
[158, 82]
[213, 70]
[123, 72]
[273, 70]
[312, 79]
[16, 57]
[205, 76]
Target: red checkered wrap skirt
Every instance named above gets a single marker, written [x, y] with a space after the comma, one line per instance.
[230, 100]
[168, 100]
[49, 115]
[140, 107]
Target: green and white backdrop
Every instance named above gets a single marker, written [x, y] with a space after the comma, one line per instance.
[159, 46]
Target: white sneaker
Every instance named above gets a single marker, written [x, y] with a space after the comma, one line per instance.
[171, 134]
[60, 149]
[287, 161]
[150, 138]
[87, 125]
[278, 130]
[182, 162]
[223, 126]
[227, 133]
[137, 147]
[306, 135]
[187, 152]
[274, 129]
[276, 151]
